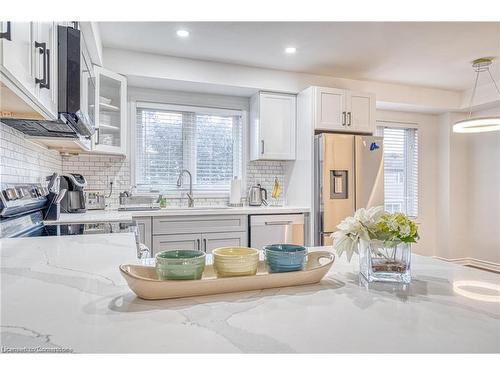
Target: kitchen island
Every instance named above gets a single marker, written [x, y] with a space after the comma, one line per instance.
[67, 293]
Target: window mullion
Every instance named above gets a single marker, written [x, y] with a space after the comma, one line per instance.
[189, 148]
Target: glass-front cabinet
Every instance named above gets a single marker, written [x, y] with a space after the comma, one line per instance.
[110, 113]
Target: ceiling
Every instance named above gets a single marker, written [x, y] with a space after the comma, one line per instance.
[417, 53]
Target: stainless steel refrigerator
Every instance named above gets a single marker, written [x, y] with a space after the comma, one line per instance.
[349, 174]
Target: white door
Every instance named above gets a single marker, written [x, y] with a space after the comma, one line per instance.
[111, 112]
[176, 242]
[18, 54]
[361, 112]
[211, 241]
[277, 126]
[330, 109]
[46, 66]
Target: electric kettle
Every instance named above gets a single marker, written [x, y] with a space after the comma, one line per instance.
[255, 196]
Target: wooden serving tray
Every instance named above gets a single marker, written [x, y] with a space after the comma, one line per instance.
[145, 283]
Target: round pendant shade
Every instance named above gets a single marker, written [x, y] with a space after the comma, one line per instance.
[477, 125]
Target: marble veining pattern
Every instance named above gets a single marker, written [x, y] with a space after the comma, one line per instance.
[67, 293]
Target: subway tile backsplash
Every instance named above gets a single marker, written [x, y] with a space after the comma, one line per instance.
[99, 171]
[264, 172]
[22, 161]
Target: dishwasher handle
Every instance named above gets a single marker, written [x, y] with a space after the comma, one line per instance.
[279, 222]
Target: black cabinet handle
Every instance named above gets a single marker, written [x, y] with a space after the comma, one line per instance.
[262, 144]
[6, 34]
[348, 118]
[343, 119]
[198, 244]
[44, 82]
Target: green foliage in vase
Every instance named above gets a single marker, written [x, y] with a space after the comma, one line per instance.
[374, 225]
[396, 227]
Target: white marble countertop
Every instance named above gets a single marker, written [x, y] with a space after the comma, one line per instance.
[67, 292]
[93, 216]
[114, 215]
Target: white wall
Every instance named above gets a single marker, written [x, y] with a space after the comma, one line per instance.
[427, 126]
[176, 69]
[483, 204]
[468, 196]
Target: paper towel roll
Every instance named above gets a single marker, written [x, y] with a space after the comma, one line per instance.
[235, 197]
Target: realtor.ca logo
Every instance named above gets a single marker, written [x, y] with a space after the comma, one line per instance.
[374, 146]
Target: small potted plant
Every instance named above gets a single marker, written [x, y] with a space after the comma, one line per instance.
[382, 240]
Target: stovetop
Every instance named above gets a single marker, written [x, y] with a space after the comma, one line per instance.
[32, 226]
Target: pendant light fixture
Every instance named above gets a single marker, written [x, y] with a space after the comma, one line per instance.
[479, 124]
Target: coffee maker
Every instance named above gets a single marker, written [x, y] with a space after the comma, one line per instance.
[74, 199]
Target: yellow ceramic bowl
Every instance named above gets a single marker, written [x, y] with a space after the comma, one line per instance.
[235, 261]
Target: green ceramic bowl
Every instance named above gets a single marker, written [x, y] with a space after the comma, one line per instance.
[180, 264]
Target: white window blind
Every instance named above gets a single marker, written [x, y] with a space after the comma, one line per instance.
[205, 141]
[400, 168]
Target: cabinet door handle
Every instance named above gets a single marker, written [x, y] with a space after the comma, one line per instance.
[198, 244]
[205, 245]
[44, 81]
[343, 118]
[348, 118]
[6, 34]
[262, 146]
[97, 136]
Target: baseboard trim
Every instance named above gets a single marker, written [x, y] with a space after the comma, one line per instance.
[473, 262]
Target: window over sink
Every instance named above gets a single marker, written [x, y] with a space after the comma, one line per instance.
[169, 138]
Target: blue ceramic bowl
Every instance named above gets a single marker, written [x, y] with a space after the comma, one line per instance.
[285, 258]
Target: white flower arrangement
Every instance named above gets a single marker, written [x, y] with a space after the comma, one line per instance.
[373, 224]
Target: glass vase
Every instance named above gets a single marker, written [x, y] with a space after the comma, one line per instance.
[382, 261]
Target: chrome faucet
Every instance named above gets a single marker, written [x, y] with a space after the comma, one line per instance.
[179, 184]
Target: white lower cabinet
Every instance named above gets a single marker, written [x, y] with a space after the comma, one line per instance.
[176, 242]
[211, 241]
[198, 241]
[204, 233]
[144, 226]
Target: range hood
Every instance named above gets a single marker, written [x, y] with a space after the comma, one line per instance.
[73, 120]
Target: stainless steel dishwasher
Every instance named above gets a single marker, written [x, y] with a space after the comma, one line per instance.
[276, 229]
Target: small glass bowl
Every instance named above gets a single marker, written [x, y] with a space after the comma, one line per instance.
[180, 264]
[285, 257]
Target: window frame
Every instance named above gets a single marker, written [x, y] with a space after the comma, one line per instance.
[200, 193]
[380, 124]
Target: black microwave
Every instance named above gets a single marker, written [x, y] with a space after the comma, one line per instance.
[76, 92]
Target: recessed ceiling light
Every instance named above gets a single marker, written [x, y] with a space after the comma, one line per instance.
[183, 33]
[290, 50]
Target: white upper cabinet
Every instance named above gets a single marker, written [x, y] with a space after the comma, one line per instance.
[29, 63]
[361, 112]
[18, 54]
[344, 110]
[330, 109]
[46, 66]
[110, 113]
[273, 122]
